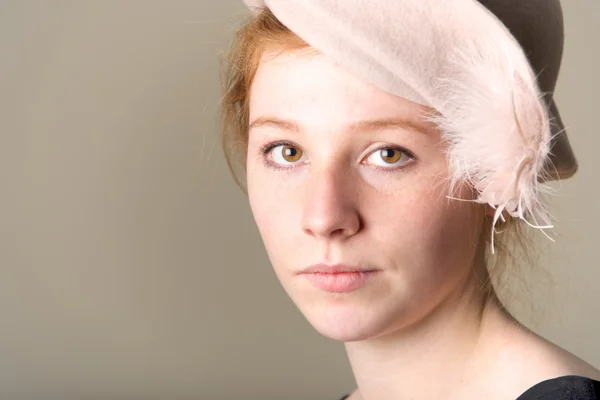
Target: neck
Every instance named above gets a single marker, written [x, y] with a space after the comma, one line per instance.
[438, 357]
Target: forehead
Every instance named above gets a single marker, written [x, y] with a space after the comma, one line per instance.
[306, 86]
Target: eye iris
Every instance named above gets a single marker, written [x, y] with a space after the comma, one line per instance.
[390, 155]
[291, 154]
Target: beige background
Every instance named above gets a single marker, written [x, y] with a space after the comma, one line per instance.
[130, 263]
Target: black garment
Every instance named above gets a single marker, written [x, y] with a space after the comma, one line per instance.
[563, 388]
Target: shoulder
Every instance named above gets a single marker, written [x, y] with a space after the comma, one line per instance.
[570, 387]
[541, 360]
[528, 365]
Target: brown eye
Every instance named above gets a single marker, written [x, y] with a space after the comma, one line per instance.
[390, 158]
[284, 154]
[390, 155]
[291, 153]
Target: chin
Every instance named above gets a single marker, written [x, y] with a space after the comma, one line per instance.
[343, 333]
[347, 321]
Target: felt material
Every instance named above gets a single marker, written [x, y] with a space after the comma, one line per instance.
[538, 27]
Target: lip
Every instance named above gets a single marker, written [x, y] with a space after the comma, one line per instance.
[338, 278]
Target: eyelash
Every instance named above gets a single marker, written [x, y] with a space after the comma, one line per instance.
[266, 149]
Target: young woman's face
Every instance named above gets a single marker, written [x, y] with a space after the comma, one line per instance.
[341, 173]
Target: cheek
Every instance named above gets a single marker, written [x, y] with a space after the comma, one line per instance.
[450, 230]
[263, 202]
[428, 232]
[272, 203]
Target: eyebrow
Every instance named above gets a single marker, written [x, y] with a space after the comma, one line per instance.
[286, 125]
[361, 126]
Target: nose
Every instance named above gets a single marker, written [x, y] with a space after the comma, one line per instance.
[329, 208]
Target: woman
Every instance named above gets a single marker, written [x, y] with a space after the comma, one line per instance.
[391, 149]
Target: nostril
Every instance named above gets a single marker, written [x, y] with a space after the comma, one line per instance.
[338, 226]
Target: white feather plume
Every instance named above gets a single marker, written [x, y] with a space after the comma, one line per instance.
[495, 122]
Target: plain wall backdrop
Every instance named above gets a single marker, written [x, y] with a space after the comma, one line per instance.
[130, 263]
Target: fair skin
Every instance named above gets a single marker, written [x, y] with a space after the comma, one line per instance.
[362, 182]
